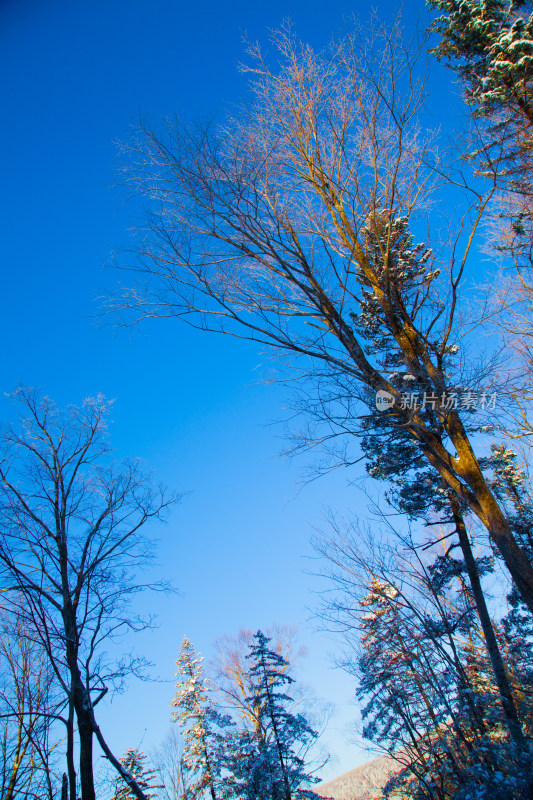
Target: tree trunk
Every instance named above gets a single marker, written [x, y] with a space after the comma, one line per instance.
[128, 779]
[64, 787]
[70, 750]
[491, 642]
[85, 734]
[462, 474]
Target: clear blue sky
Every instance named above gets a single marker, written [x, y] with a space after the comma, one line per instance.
[75, 74]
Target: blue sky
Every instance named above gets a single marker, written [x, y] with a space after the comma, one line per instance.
[75, 75]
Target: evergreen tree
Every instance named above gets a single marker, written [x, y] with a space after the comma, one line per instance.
[269, 763]
[428, 689]
[416, 488]
[204, 751]
[512, 489]
[134, 762]
[418, 701]
[490, 44]
[410, 692]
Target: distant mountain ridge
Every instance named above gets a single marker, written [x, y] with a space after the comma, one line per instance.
[362, 783]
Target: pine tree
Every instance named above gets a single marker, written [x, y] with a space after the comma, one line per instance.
[205, 741]
[490, 44]
[268, 763]
[514, 492]
[134, 762]
[438, 715]
[416, 488]
[409, 691]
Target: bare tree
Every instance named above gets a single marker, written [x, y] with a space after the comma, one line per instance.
[70, 545]
[512, 318]
[27, 716]
[292, 225]
[178, 783]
